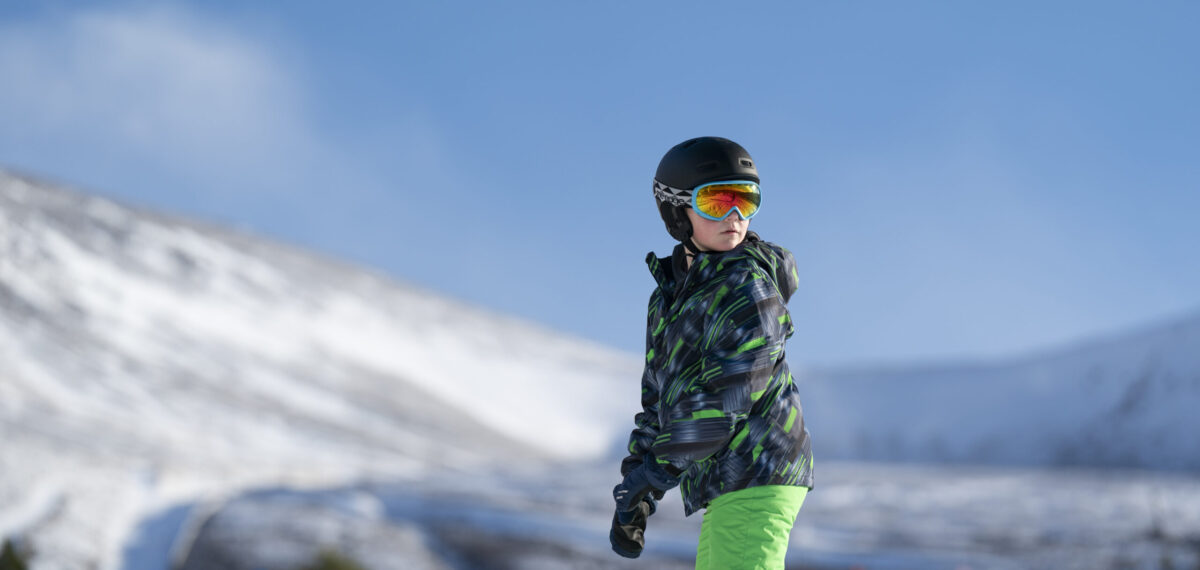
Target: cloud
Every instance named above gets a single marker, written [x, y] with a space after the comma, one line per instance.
[156, 86]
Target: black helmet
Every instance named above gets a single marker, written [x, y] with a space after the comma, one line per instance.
[689, 164]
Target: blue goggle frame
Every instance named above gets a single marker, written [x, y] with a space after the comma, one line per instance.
[696, 192]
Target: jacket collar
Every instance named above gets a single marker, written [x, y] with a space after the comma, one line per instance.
[670, 271]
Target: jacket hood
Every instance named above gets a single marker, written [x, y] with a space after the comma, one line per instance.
[777, 262]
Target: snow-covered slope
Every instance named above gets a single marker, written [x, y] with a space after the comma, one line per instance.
[147, 363]
[1124, 401]
[146, 360]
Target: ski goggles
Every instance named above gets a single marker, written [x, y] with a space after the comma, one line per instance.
[715, 200]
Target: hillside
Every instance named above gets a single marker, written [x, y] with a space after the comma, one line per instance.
[153, 367]
[1124, 401]
[146, 360]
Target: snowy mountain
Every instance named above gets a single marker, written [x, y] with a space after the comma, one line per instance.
[153, 367]
[1124, 401]
[146, 360]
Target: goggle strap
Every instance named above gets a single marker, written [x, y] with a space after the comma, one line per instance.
[673, 196]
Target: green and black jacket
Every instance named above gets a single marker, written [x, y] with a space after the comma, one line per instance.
[719, 407]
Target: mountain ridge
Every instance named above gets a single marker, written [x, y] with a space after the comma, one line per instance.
[147, 360]
[1113, 402]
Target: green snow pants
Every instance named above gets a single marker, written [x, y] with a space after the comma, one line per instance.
[749, 529]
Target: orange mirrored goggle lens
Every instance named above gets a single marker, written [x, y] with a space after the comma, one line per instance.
[717, 200]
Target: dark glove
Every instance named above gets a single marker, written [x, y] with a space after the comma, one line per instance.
[641, 481]
[629, 538]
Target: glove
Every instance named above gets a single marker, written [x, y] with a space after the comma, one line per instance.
[641, 481]
[629, 538]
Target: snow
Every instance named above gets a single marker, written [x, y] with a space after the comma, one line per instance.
[157, 374]
[148, 362]
[1121, 401]
[867, 515]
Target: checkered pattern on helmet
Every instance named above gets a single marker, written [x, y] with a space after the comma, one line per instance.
[673, 196]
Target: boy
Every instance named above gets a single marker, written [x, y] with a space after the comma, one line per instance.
[720, 415]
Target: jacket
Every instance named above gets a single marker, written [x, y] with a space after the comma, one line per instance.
[720, 409]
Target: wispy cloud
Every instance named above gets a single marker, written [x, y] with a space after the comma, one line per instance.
[162, 86]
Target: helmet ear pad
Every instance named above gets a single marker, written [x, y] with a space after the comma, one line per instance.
[676, 220]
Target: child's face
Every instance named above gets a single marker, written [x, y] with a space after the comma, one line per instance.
[713, 235]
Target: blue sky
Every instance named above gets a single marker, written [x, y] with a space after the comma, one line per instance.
[956, 179]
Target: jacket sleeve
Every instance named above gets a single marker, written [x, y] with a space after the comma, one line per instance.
[645, 422]
[740, 350]
[645, 429]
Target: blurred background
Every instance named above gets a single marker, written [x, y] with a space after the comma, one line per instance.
[992, 207]
[956, 179]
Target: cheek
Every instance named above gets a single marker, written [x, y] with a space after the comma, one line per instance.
[713, 230]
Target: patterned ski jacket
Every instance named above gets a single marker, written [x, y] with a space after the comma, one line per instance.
[719, 407]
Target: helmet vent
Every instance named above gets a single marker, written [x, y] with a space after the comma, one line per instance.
[747, 163]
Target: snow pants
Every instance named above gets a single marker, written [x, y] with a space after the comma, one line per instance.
[749, 529]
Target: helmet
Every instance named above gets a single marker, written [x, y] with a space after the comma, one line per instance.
[689, 164]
